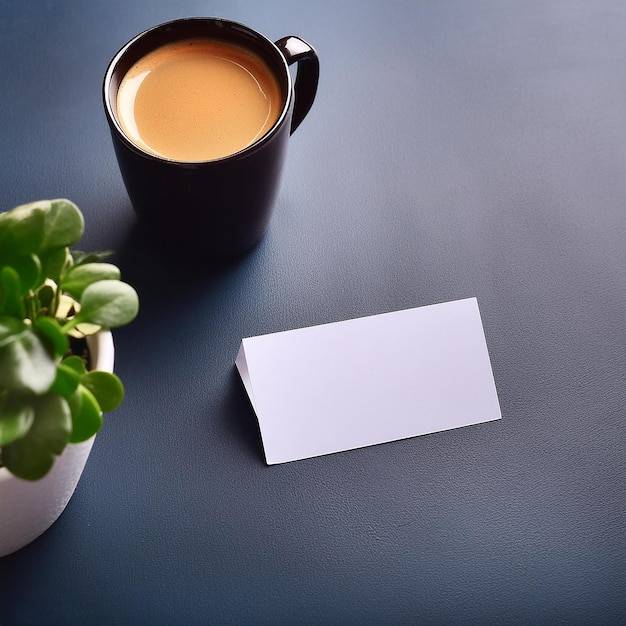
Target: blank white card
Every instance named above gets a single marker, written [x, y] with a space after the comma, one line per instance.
[370, 380]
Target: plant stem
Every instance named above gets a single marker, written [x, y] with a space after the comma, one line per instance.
[69, 325]
[31, 310]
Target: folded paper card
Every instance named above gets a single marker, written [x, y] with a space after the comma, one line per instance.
[370, 380]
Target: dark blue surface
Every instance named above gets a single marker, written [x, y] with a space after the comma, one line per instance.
[455, 149]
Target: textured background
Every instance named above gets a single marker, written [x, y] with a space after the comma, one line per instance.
[455, 149]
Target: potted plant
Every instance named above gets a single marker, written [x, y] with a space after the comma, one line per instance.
[56, 361]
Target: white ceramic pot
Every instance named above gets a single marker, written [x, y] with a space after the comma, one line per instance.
[28, 508]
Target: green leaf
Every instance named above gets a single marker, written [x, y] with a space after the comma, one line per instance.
[16, 417]
[51, 330]
[79, 277]
[76, 363]
[53, 262]
[9, 327]
[32, 456]
[25, 364]
[28, 268]
[10, 294]
[88, 420]
[75, 402]
[82, 258]
[64, 225]
[45, 295]
[107, 388]
[22, 229]
[66, 381]
[108, 303]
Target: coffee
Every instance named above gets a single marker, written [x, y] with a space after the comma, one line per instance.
[198, 100]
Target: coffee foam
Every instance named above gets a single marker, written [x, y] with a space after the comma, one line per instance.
[197, 100]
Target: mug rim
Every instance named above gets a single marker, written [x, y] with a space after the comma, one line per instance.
[285, 81]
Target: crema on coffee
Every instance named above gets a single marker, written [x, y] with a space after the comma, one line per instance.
[198, 99]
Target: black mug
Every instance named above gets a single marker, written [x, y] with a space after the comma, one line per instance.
[218, 208]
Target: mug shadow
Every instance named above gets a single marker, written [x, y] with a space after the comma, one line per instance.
[148, 255]
[175, 290]
[170, 279]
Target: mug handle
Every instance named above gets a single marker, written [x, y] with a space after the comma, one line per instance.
[296, 50]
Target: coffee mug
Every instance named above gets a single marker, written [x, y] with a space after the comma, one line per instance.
[200, 112]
